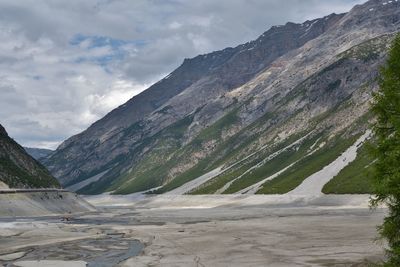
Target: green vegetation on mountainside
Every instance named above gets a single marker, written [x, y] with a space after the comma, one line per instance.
[258, 173]
[307, 166]
[18, 169]
[276, 164]
[369, 50]
[211, 133]
[156, 163]
[355, 178]
[16, 176]
[168, 153]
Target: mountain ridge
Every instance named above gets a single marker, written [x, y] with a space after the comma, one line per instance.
[242, 105]
[226, 53]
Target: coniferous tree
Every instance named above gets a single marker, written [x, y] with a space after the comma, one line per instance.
[387, 151]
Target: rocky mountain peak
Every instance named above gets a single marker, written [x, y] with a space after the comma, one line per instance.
[3, 131]
[374, 14]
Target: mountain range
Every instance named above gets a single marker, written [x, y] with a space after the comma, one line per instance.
[38, 153]
[261, 117]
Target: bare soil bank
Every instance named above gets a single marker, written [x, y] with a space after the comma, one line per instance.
[46, 203]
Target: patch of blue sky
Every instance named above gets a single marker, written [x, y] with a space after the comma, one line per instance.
[37, 77]
[118, 48]
[100, 41]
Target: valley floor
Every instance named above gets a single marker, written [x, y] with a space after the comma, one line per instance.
[227, 230]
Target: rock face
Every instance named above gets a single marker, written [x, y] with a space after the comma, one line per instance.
[235, 109]
[18, 169]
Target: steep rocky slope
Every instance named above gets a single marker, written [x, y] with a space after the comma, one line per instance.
[18, 169]
[282, 106]
[185, 90]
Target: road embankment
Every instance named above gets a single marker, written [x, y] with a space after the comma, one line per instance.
[41, 202]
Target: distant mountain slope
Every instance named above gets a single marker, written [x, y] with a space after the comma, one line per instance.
[38, 153]
[18, 169]
[190, 87]
[270, 113]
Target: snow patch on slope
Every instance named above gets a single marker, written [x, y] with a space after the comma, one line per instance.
[313, 184]
[186, 188]
[258, 165]
[257, 186]
[251, 190]
[77, 186]
[189, 186]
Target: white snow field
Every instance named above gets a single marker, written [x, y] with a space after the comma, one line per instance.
[187, 187]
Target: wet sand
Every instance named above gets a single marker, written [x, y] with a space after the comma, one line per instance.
[200, 231]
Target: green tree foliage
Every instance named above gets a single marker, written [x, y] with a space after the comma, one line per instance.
[387, 151]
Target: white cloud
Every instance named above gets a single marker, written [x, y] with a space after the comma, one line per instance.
[65, 64]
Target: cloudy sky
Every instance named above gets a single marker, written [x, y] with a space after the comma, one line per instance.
[65, 64]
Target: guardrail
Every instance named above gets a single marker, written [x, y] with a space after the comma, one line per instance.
[31, 190]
